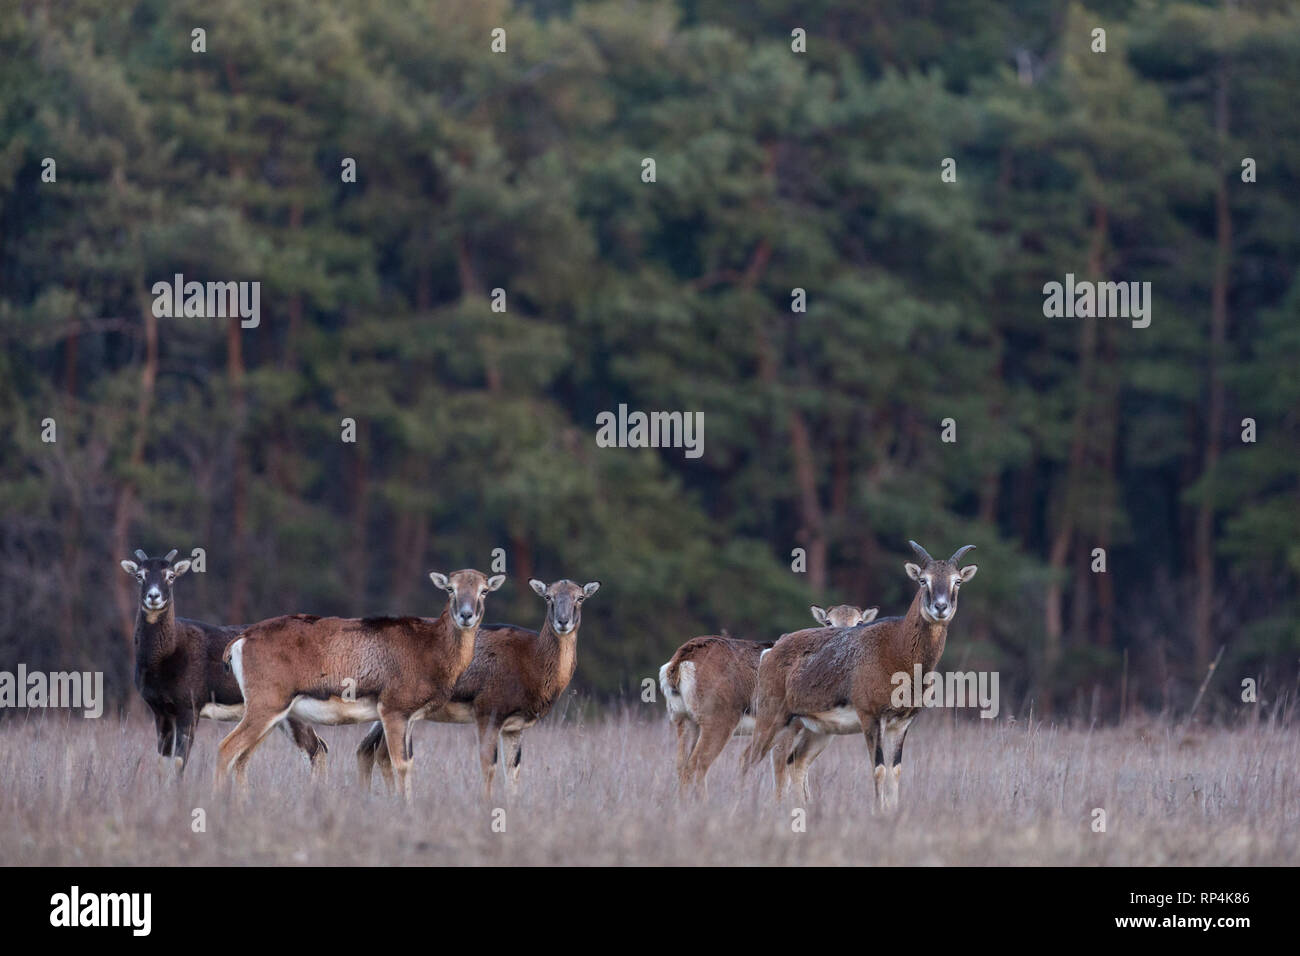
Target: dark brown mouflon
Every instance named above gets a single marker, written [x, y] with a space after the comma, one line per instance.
[178, 666]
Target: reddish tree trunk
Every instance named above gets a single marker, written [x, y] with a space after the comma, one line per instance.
[241, 576]
[1072, 482]
[1203, 624]
[124, 594]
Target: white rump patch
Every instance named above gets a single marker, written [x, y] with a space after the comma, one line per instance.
[686, 687]
[223, 711]
[237, 665]
[335, 710]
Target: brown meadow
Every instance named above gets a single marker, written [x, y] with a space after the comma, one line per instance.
[602, 792]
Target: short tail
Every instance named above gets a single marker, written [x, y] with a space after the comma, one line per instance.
[668, 684]
[668, 679]
[233, 660]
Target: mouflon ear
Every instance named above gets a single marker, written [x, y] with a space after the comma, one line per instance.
[538, 586]
[439, 579]
[968, 572]
[130, 567]
[496, 581]
[180, 567]
[819, 614]
[869, 614]
[590, 588]
[913, 571]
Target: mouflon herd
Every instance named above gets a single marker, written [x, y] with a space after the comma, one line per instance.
[789, 696]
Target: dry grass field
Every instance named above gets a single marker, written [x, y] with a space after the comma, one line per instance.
[88, 792]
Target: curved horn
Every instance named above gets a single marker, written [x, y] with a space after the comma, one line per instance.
[170, 554]
[141, 555]
[921, 553]
[956, 555]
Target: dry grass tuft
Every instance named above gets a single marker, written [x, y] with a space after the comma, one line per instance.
[79, 792]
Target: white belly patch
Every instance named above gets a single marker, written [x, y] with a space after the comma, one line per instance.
[453, 712]
[222, 711]
[841, 720]
[335, 710]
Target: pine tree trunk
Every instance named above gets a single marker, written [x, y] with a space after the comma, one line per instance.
[1203, 624]
[124, 595]
[1063, 539]
[410, 539]
[812, 524]
[360, 492]
[70, 564]
[241, 576]
[1109, 491]
[295, 300]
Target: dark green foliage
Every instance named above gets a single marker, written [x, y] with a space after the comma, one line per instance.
[775, 171]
